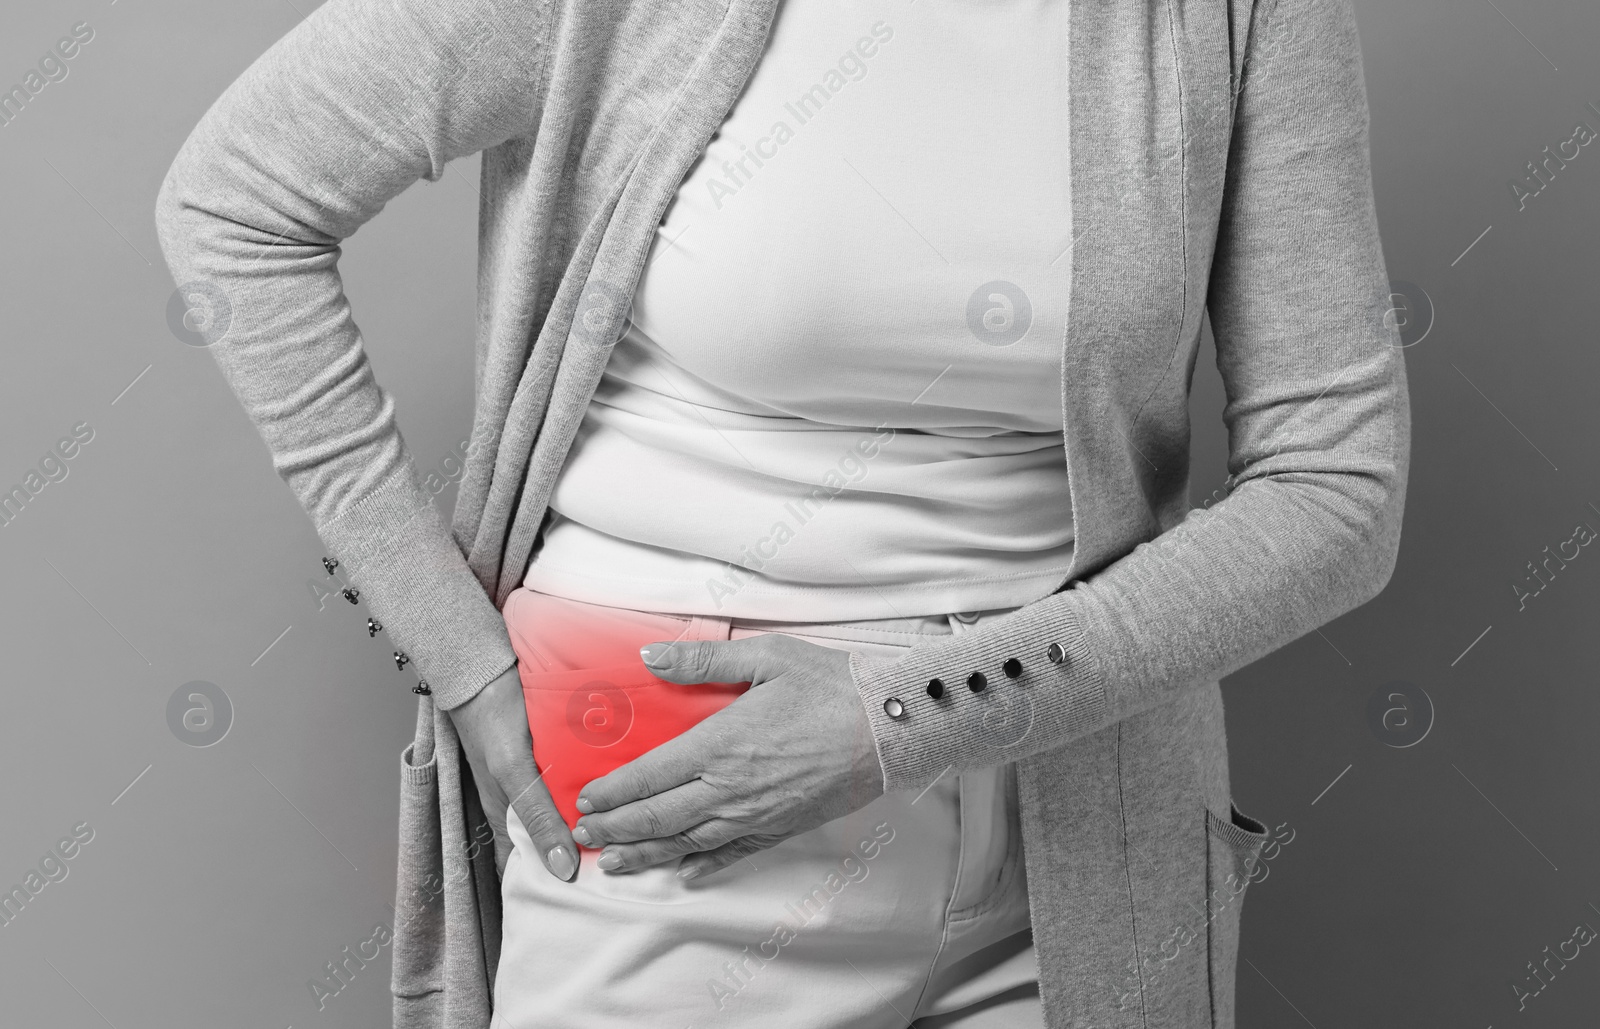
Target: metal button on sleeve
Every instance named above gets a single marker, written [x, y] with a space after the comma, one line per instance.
[1056, 653]
[1012, 668]
[935, 688]
[976, 682]
[893, 708]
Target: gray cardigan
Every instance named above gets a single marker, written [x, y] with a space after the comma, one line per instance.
[1219, 164]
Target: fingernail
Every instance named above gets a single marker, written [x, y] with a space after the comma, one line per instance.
[609, 860]
[581, 834]
[688, 871]
[561, 862]
[652, 653]
[584, 807]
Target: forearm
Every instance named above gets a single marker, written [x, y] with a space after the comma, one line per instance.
[1222, 589]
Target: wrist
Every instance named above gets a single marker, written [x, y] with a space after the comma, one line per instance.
[490, 699]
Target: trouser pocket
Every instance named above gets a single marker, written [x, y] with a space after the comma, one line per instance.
[1233, 849]
[588, 721]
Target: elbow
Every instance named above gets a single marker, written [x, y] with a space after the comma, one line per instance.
[1384, 556]
[168, 204]
[186, 207]
[1381, 550]
[1385, 502]
[1391, 512]
[1362, 513]
[174, 207]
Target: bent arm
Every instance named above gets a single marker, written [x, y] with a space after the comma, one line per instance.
[1319, 441]
[354, 104]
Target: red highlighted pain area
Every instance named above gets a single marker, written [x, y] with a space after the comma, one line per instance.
[592, 704]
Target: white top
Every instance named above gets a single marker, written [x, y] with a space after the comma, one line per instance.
[839, 395]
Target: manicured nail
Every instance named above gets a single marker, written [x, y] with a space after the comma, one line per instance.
[609, 860]
[584, 807]
[652, 653]
[581, 834]
[561, 862]
[688, 871]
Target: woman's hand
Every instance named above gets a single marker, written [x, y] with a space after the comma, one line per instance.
[493, 727]
[793, 752]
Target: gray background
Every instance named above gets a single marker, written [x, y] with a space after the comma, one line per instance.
[1418, 883]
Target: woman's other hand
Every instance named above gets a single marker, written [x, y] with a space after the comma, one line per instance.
[793, 752]
[493, 727]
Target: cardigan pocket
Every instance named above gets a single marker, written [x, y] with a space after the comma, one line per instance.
[1233, 848]
[419, 894]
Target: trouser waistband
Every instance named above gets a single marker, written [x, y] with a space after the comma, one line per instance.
[873, 630]
[904, 630]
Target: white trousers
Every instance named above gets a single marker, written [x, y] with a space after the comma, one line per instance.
[912, 910]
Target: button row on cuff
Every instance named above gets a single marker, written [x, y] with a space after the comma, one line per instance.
[976, 682]
[401, 658]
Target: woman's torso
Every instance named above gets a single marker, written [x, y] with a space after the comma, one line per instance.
[842, 373]
[802, 390]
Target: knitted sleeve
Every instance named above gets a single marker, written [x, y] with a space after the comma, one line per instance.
[350, 107]
[1318, 425]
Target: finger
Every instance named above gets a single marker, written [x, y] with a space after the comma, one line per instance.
[698, 865]
[677, 761]
[519, 777]
[753, 659]
[651, 818]
[707, 836]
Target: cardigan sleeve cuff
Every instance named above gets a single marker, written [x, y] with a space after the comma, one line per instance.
[396, 549]
[920, 736]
